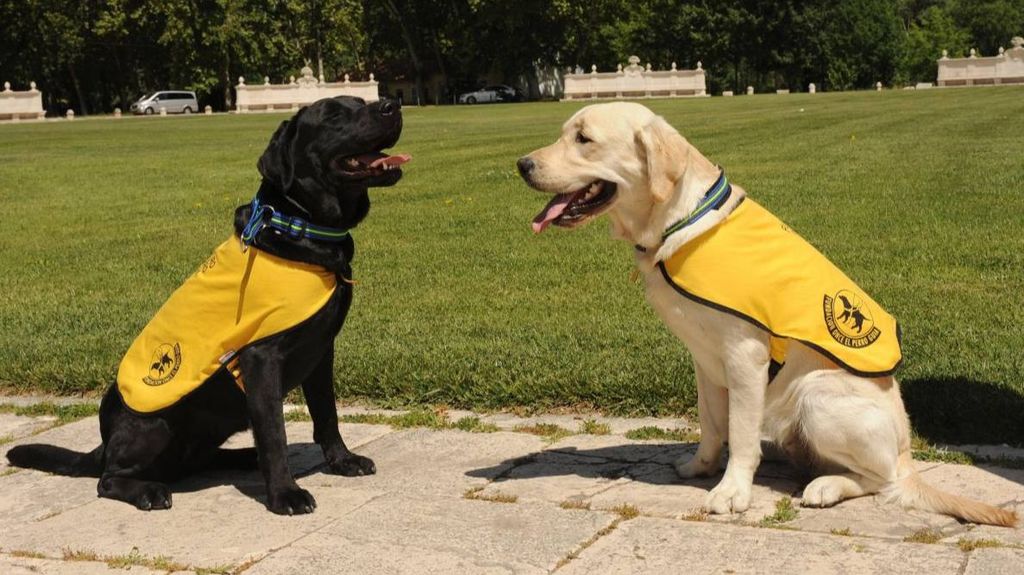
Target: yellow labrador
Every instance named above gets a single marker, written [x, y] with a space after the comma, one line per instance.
[833, 402]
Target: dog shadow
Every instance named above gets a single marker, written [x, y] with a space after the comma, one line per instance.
[960, 410]
[304, 459]
[650, 463]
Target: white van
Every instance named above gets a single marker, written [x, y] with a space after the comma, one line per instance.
[174, 102]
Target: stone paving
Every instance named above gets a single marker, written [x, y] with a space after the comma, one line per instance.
[449, 501]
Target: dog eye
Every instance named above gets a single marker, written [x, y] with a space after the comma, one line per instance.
[581, 139]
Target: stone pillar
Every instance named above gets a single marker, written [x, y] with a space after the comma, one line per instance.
[811, 88]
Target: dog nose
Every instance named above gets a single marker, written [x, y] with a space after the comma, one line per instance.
[388, 107]
[525, 165]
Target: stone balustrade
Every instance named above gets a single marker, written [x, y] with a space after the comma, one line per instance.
[1005, 68]
[298, 92]
[23, 105]
[636, 81]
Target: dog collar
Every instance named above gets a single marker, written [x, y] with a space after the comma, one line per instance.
[713, 199]
[265, 216]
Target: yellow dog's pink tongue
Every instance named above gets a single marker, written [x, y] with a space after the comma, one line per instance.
[551, 211]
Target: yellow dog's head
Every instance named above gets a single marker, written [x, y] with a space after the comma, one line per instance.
[618, 156]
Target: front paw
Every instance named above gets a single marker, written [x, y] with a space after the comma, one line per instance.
[729, 496]
[152, 497]
[697, 466]
[291, 501]
[352, 465]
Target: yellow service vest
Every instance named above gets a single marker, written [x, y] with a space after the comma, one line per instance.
[233, 300]
[754, 267]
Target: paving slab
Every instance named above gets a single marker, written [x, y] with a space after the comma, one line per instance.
[17, 426]
[214, 526]
[439, 535]
[995, 562]
[555, 477]
[81, 436]
[443, 462]
[412, 517]
[655, 546]
[993, 485]
[31, 496]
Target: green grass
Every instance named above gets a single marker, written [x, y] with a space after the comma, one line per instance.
[784, 513]
[917, 196]
[593, 427]
[926, 536]
[63, 413]
[650, 432]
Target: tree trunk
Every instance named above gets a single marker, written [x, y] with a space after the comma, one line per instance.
[226, 75]
[84, 107]
[416, 63]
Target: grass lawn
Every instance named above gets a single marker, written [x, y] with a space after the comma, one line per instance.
[917, 196]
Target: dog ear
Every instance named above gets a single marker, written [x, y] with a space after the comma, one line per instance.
[276, 162]
[663, 166]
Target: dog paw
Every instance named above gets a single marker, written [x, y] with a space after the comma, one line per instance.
[292, 501]
[152, 497]
[824, 491]
[696, 467]
[352, 465]
[728, 496]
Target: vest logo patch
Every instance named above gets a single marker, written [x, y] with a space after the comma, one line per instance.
[848, 319]
[208, 264]
[165, 363]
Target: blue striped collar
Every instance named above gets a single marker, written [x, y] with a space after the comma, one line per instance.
[265, 216]
[713, 199]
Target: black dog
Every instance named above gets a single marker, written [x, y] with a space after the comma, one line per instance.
[316, 174]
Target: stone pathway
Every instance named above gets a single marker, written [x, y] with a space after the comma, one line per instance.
[450, 501]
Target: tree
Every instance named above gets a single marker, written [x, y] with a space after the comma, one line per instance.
[931, 32]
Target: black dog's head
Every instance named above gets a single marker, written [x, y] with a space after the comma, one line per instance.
[326, 157]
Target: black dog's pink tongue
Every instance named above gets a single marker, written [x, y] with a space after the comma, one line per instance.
[551, 211]
[390, 161]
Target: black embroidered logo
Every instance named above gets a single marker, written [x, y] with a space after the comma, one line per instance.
[849, 320]
[208, 264]
[165, 363]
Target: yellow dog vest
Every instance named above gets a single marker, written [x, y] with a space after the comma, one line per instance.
[233, 300]
[754, 267]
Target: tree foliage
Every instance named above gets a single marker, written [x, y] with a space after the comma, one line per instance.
[96, 55]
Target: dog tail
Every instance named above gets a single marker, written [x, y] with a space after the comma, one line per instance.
[57, 460]
[912, 491]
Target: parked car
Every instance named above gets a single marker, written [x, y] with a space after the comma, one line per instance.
[495, 93]
[175, 102]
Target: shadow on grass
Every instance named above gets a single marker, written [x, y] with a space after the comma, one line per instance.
[958, 410]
